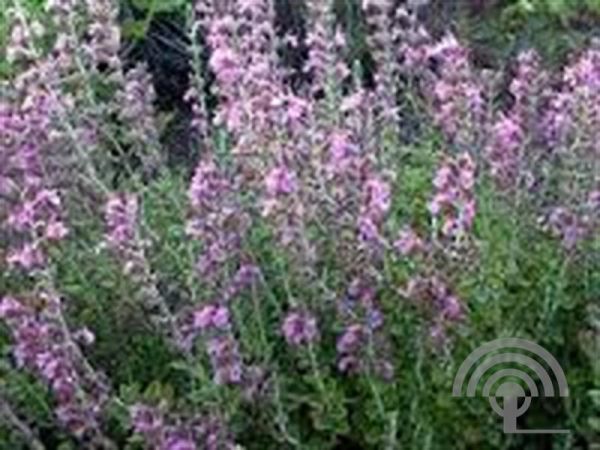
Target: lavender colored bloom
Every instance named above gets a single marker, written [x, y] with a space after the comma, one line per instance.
[121, 213]
[164, 430]
[440, 304]
[225, 359]
[226, 64]
[29, 256]
[326, 43]
[216, 220]
[382, 18]
[342, 156]
[212, 316]
[527, 87]
[408, 242]
[300, 328]
[45, 347]
[38, 219]
[104, 33]
[207, 185]
[351, 340]
[177, 439]
[504, 150]
[593, 202]
[566, 225]
[135, 103]
[456, 93]
[280, 181]
[376, 203]
[243, 279]
[146, 420]
[454, 199]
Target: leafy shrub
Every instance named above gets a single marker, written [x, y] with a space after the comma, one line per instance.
[318, 276]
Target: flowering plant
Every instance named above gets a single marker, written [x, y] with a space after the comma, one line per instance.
[314, 277]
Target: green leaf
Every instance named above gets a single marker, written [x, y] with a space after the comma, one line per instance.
[595, 396]
[594, 423]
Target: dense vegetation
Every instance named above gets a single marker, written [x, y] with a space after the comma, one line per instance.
[267, 224]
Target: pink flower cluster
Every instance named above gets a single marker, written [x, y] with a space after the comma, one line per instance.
[136, 113]
[46, 347]
[121, 216]
[38, 221]
[213, 323]
[169, 432]
[300, 328]
[31, 207]
[326, 43]
[375, 206]
[440, 304]
[457, 96]
[362, 347]
[454, 202]
[216, 219]
[504, 151]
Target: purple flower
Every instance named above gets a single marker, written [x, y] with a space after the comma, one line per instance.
[178, 440]
[121, 213]
[454, 198]
[28, 257]
[45, 347]
[300, 328]
[566, 225]
[457, 96]
[377, 198]
[212, 316]
[226, 65]
[351, 340]
[280, 181]
[440, 304]
[208, 184]
[225, 359]
[408, 242]
[504, 150]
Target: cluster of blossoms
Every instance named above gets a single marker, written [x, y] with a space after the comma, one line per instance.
[136, 113]
[573, 124]
[385, 21]
[504, 151]
[539, 149]
[528, 87]
[453, 202]
[456, 94]
[307, 163]
[362, 346]
[216, 219]
[213, 322]
[104, 36]
[38, 221]
[32, 211]
[166, 432]
[124, 240]
[121, 216]
[300, 328]
[45, 346]
[439, 303]
[375, 206]
[510, 162]
[281, 204]
[220, 224]
[326, 44]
